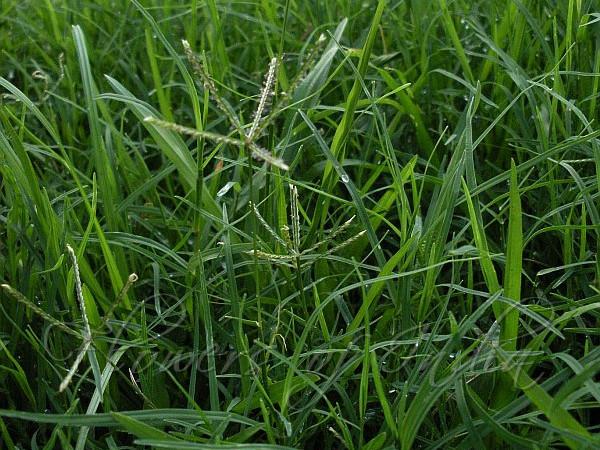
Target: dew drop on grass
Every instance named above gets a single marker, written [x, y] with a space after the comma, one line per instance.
[345, 178]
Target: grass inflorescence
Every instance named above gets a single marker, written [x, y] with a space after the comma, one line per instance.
[277, 224]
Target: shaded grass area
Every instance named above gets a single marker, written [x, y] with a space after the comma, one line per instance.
[390, 242]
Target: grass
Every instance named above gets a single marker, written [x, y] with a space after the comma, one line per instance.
[291, 224]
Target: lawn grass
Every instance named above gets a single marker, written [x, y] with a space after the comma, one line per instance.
[282, 224]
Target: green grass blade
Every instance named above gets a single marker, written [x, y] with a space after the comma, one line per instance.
[343, 129]
[149, 417]
[557, 415]
[142, 430]
[160, 443]
[514, 263]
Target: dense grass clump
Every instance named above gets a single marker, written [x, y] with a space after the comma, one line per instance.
[288, 224]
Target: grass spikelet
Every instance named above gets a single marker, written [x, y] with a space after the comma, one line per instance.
[87, 332]
[267, 227]
[16, 295]
[257, 152]
[209, 85]
[266, 94]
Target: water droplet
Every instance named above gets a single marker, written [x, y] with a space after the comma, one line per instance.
[345, 178]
